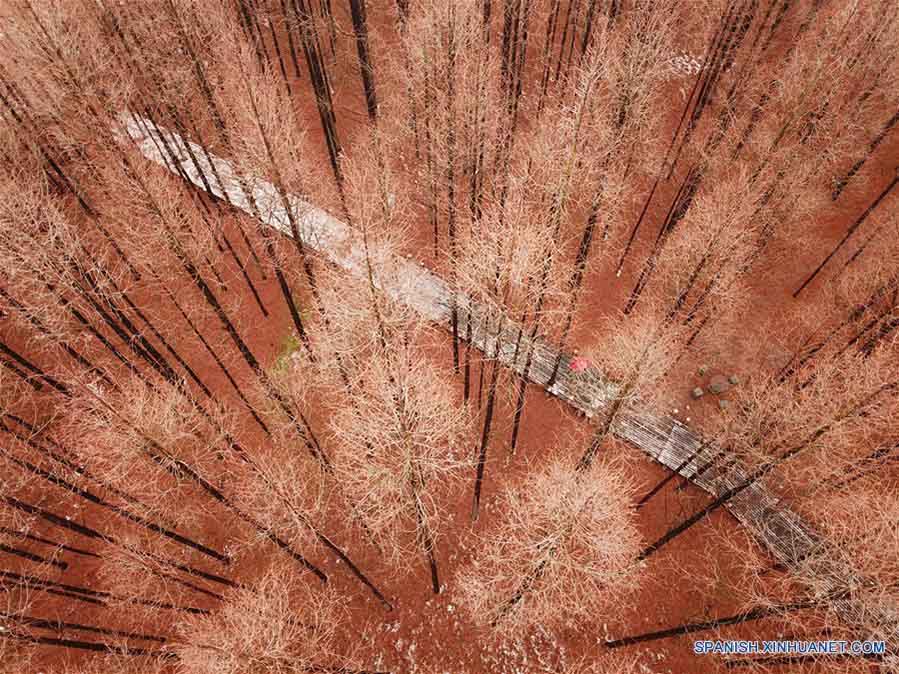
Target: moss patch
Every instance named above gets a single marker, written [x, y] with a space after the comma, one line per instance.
[289, 344]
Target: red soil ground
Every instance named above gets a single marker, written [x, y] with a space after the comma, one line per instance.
[697, 576]
[424, 630]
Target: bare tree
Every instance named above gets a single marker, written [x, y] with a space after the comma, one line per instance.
[275, 625]
[503, 272]
[419, 434]
[562, 552]
[779, 424]
[159, 481]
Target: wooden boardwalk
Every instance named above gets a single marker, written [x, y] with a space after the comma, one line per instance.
[780, 530]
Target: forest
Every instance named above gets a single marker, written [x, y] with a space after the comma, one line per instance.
[448, 336]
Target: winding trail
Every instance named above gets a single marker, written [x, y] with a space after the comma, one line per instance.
[771, 522]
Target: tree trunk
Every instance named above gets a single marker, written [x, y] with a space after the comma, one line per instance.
[357, 10]
[756, 613]
[488, 421]
[34, 370]
[856, 167]
[31, 557]
[852, 229]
